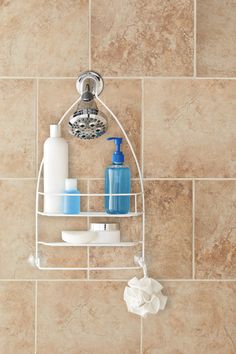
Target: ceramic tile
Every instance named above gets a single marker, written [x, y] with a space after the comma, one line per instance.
[215, 229]
[113, 256]
[17, 128]
[17, 317]
[142, 37]
[189, 128]
[216, 38]
[123, 274]
[199, 318]
[17, 236]
[169, 229]
[46, 40]
[84, 317]
[90, 158]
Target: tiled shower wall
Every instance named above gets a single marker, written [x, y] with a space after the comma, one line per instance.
[169, 69]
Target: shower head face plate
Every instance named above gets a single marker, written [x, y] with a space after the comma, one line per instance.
[88, 123]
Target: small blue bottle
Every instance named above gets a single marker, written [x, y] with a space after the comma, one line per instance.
[71, 203]
[117, 181]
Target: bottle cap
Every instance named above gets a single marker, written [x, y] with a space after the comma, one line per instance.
[118, 156]
[55, 131]
[70, 184]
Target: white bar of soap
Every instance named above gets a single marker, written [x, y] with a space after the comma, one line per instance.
[79, 236]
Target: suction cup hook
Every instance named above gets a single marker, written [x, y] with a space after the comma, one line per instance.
[89, 84]
[33, 261]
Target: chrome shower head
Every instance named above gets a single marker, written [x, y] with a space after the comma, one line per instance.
[88, 122]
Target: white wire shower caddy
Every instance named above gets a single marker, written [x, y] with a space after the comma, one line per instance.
[137, 211]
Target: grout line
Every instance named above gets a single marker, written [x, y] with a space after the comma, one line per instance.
[142, 128]
[118, 280]
[214, 78]
[37, 126]
[137, 179]
[190, 179]
[38, 77]
[36, 317]
[193, 229]
[169, 77]
[198, 280]
[88, 222]
[18, 178]
[88, 263]
[88, 202]
[120, 77]
[141, 335]
[89, 36]
[195, 40]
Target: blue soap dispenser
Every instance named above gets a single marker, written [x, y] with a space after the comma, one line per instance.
[117, 181]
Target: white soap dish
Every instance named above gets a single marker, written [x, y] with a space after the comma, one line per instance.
[78, 236]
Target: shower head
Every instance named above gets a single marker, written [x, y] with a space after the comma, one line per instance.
[88, 122]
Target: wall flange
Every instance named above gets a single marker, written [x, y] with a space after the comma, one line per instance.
[89, 82]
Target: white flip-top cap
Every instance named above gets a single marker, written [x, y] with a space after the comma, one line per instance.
[70, 184]
[55, 131]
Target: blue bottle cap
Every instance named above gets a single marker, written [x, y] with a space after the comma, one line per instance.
[117, 156]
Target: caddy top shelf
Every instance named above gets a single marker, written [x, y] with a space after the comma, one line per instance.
[95, 214]
[91, 194]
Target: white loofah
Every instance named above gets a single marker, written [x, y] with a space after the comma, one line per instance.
[144, 296]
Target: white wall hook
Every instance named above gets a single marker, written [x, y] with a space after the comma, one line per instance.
[33, 261]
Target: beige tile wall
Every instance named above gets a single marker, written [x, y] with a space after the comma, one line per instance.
[169, 68]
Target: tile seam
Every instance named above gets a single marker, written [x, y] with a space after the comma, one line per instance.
[195, 39]
[121, 77]
[88, 222]
[89, 35]
[18, 178]
[170, 77]
[37, 127]
[193, 228]
[141, 335]
[36, 317]
[88, 263]
[137, 179]
[37, 77]
[190, 179]
[142, 127]
[117, 280]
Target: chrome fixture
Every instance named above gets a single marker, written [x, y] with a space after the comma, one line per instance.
[88, 122]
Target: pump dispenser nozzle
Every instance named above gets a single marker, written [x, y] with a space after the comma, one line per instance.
[117, 156]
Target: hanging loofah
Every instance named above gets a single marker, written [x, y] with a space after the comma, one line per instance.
[143, 296]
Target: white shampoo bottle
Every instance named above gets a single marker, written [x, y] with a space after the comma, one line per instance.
[55, 170]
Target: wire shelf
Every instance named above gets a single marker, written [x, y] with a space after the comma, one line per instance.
[100, 214]
[96, 214]
[67, 244]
